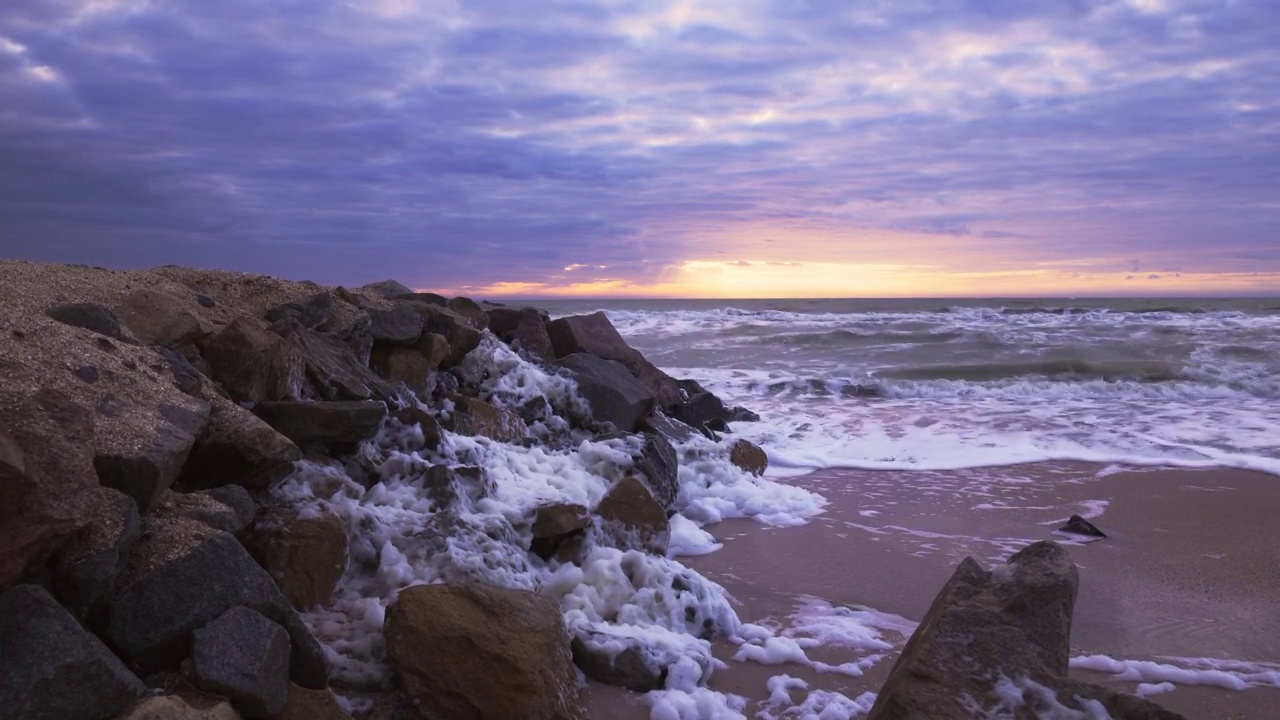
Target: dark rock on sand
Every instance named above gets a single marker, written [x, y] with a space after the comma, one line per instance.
[237, 448]
[90, 316]
[158, 318]
[306, 553]
[482, 652]
[633, 520]
[143, 472]
[705, 412]
[400, 324]
[85, 570]
[313, 312]
[475, 417]
[324, 422]
[51, 668]
[185, 376]
[1077, 525]
[612, 392]
[626, 668]
[749, 457]
[252, 363]
[244, 657]
[1012, 623]
[594, 335]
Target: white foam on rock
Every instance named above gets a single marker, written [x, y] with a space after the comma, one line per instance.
[685, 699]
[1009, 695]
[400, 537]
[1214, 672]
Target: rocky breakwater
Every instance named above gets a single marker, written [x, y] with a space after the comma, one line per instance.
[219, 488]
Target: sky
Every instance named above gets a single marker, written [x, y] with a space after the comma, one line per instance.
[744, 148]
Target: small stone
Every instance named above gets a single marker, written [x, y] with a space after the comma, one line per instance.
[205, 301]
[749, 457]
[90, 316]
[633, 519]
[1077, 525]
[87, 373]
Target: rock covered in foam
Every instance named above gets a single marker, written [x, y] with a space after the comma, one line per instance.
[749, 456]
[305, 551]
[244, 657]
[482, 652]
[632, 519]
[475, 417]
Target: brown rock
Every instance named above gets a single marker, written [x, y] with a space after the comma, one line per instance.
[144, 470]
[254, 364]
[158, 318]
[348, 421]
[525, 330]
[435, 348]
[386, 288]
[86, 569]
[471, 310]
[475, 417]
[595, 335]
[482, 652]
[748, 456]
[307, 704]
[174, 707]
[458, 330]
[407, 365]
[633, 519]
[306, 553]
[238, 448]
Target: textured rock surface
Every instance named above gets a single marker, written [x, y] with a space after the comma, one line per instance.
[482, 652]
[174, 707]
[229, 509]
[613, 394]
[632, 519]
[386, 288]
[406, 365]
[398, 324]
[237, 448]
[86, 568]
[748, 456]
[594, 335]
[334, 370]
[143, 472]
[158, 318]
[660, 467]
[51, 669]
[704, 412]
[342, 421]
[457, 330]
[475, 417]
[90, 316]
[252, 363]
[306, 554]
[525, 330]
[245, 657]
[307, 704]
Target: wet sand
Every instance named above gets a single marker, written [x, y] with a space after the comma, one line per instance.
[1191, 568]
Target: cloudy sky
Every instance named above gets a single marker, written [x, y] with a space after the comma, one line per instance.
[669, 147]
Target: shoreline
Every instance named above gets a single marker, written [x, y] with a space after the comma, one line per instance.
[1186, 571]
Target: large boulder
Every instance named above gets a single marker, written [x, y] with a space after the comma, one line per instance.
[143, 470]
[308, 704]
[334, 369]
[525, 330]
[324, 422]
[47, 478]
[632, 519]
[475, 417]
[611, 391]
[386, 289]
[90, 316]
[85, 569]
[398, 324]
[1012, 623]
[244, 657]
[595, 335]
[158, 318]
[705, 412]
[749, 457]
[460, 331]
[482, 652]
[405, 365]
[668, 427]
[229, 508]
[252, 363]
[312, 312]
[237, 448]
[471, 310]
[306, 552]
[51, 668]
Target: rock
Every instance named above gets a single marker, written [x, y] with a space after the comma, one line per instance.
[237, 448]
[435, 349]
[90, 316]
[386, 289]
[1014, 622]
[47, 478]
[426, 422]
[306, 552]
[51, 668]
[625, 669]
[595, 335]
[407, 365]
[308, 664]
[447, 486]
[1077, 525]
[157, 318]
[475, 417]
[704, 412]
[86, 569]
[559, 527]
[613, 394]
[471, 310]
[253, 364]
[143, 472]
[205, 301]
[399, 325]
[229, 509]
[740, 414]
[315, 312]
[307, 704]
[489, 536]
[181, 575]
[174, 707]
[244, 657]
[333, 368]
[525, 330]
[482, 652]
[424, 298]
[185, 376]
[748, 456]
[324, 422]
[660, 467]
[667, 427]
[633, 519]
[458, 330]
[87, 373]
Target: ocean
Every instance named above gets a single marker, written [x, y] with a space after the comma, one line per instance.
[946, 384]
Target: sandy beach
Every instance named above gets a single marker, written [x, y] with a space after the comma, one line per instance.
[1188, 569]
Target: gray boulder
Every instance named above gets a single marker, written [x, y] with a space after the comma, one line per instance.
[458, 330]
[668, 427]
[86, 569]
[660, 467]
[334, 370]
[704, 412]
[595, 335]
[399, 324]
[237, 448]
[324, 421]
[229, 509]
[244, 657]
[525, 330]
[611, 391]
[252, 363]
[53, 669]
[471, 310]
[90, 316]
[143, 471]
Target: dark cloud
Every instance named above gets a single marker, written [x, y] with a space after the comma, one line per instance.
[456, 145]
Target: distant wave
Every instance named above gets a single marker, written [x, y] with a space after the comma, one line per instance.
[1072, 369]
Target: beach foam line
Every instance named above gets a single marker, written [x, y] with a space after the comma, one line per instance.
[1214, 672]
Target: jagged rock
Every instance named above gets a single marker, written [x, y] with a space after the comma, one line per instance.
[425, 298]
[482, 652]
[307, 704]
[525, 330]
[308, 664]
[612, 393]
[458, 330]
[185, 376]
[406, 365]
[660, 467]
[595, 335]
[174, 707]
[737, 413]
[237, 448]
[426, 422]
[143, 472]
[245, 657]
[704, 412]
[667, 427]
[306, 552]
[1014, 622]
[324, 422]
[435, 349]
[53, 669]
[475, 417]
[748, 456]
[400, 325]
[558, 527]
[469, 309]
[229, 509]
[47, 478]
[386, 288]
[633, 519]
[253, 364]
[90, 316]
[86, 569]
[447, 485]
[334, 370]
[625, 668]
[315, 312]
[181, 575]
[1077, 525]
[157, 318]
